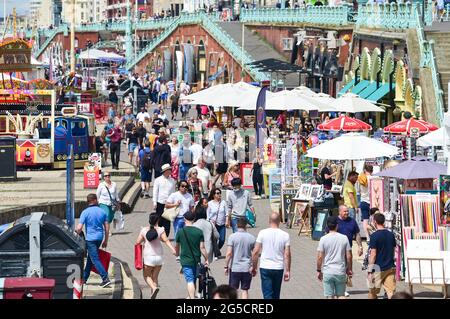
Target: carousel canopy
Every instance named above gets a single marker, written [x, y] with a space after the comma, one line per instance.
[344, 123]
[416, 168]
[352, 146]
[405, 127]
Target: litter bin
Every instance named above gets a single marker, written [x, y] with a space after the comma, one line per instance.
[8, 158]
[54, 252]
[26, 288]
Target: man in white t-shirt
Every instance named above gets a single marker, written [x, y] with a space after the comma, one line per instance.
[205, 177]
[274, 246]
[196, 150]
[142, 115]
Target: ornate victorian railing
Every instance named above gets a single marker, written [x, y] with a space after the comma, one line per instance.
[428, 60]
[340, 15]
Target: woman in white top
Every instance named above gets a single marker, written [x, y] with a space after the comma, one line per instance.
[182, 199]
[152, 236]
[107, 195]
[217, 214]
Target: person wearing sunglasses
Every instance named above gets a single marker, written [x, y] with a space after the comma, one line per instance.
[217, 214]
[184, 200]
[108, 197]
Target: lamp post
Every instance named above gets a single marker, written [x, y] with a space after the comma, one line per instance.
[88, 47]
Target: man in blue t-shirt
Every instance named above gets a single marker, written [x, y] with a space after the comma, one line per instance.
[97, 228]
[347, 226]
[381, 270]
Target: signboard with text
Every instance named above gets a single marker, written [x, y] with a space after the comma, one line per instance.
[92, 171]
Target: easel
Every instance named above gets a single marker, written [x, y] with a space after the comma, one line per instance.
[304, 216]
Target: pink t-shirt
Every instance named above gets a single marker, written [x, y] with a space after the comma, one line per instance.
[153, 248]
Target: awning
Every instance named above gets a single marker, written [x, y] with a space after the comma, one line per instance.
[360, 86]
[346, 87]
[368, 90]
[380, 93]
[216, 75]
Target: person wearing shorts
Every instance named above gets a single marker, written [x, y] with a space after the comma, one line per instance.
[190, 245]
[151, 237]
[239, 254]
[132, 142]
[334, 261]
[364, 205]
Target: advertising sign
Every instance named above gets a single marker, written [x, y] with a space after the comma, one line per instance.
[92, 171]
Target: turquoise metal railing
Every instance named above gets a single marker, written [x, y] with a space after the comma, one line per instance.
[131, 62]
[321, 15]
[233, 48]
[428, 60]
[208, 22]
[387, 16]
[62, 28]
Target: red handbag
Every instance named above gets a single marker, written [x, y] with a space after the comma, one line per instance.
[138, 261]
[105, 258]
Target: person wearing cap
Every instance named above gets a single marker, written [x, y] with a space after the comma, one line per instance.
[151, 237]
[238, 202]
[183, 199]
[163, 186]
[190, 246]
[334, 260]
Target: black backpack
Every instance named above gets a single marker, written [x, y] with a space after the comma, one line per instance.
[147, 160]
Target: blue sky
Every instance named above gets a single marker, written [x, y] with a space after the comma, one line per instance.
[20, 5]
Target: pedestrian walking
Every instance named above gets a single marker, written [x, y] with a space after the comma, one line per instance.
[95, 221]
[145, 161]
[217, 214]
[350, 199]
[381, 271]
[132, 144]
[238, 202]
[274, 246]
[108, 197]
[190, 245]
[232, 173]
[334, 261]
[152, 236]
[349, 228]
[210, 233]
[162, 155]
[162, 188]
[182, 199]
[364, 205]
[195, 184]
[257, 176]
[174, 100]
[238, 262]
[196, 150]
[205, 177]
[115, 136]
[185, 161]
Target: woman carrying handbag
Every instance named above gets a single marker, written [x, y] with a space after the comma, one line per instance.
[152, 238]
[108, 198]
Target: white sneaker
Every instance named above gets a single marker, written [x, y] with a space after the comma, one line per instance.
[263, 196]
[347, 294]
[256, 197]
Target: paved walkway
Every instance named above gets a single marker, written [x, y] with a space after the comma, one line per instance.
[303, 284]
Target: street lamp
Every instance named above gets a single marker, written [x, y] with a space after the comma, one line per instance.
[88, 46]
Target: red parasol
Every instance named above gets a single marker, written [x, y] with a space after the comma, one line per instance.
[405, 126]
[344, 123]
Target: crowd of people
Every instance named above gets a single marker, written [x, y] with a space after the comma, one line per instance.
[197, 190]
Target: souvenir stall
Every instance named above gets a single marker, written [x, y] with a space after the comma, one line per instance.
[349, 147]
[414, 211]
[404, 134]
